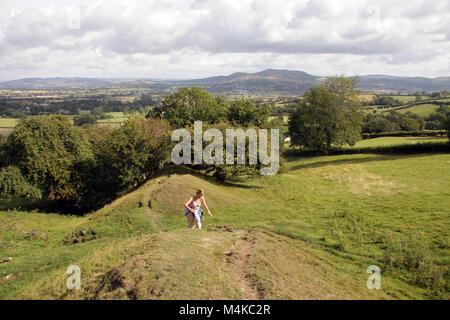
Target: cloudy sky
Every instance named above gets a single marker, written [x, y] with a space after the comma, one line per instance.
[199, 38]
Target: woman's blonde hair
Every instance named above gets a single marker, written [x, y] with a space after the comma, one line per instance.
[199, 191]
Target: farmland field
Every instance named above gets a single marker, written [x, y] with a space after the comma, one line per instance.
[406, 99]
[423, 110]
[8, 122]
[117, 117]
[285, 118]
[393, 141]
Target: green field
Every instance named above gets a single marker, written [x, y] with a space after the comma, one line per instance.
[8, 122]
[117, 117]
[393, 141]
[309, 233]
[423, 110]
[406, 99]
[285, 118]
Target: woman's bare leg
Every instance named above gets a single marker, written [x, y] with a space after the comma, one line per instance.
[191, 220]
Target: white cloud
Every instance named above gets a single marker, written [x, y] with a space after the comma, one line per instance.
[195, 38]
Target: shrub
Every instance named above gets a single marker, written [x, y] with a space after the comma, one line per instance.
[14, 185]
[417, 133]
[379, 124]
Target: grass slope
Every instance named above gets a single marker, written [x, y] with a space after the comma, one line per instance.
[308, 234]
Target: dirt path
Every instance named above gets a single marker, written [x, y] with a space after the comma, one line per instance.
[146, 201]
[239, 256]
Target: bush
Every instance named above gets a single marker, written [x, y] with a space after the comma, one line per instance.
[421, 133]
[14, 185]
[379, 124]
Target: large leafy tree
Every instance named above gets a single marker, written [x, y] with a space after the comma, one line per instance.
[187, 105]
[124, 157]
[48, 158]
[49, 151]
[243, 112]
[328, 116]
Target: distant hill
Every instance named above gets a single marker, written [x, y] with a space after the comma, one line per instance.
[59, 83]
[270, 81]
[264, 82]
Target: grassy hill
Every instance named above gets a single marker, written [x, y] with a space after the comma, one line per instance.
[310, 233]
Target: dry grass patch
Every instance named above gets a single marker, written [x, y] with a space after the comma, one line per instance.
[357, 178]
[285, 271]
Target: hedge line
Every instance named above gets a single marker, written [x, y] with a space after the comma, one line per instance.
[427, 147]
[418, 133]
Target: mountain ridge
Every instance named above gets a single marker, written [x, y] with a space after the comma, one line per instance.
[282, 81]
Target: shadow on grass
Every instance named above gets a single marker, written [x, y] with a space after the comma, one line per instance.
[402, 149]
[354, 161]
[236, 182]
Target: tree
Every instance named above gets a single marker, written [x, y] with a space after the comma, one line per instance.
[242, 164]
[48, 151]
[187, 105]
[85, 119]
[329, 116]
[378, 124]
[242, 112]
[124, 157]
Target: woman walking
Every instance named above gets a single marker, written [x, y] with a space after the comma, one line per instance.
[193, 210]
